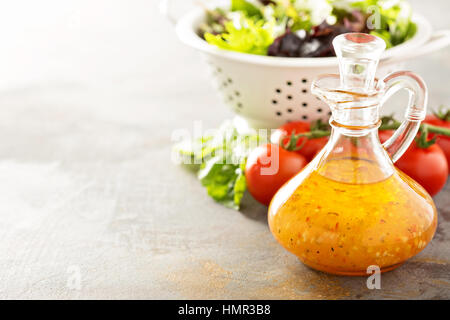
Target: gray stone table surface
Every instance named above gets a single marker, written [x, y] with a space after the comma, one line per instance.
[91, 205]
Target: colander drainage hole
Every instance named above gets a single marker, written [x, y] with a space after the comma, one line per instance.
[289, 110]
[289, 83]
[289, 97]
[278, 113]
[304, 104]
[274, 101]
[304, 80]
[237, 93]
[319, 110]
[304, 90]
[278, 90]
[239, 105]
[304, 117]
[230, 80]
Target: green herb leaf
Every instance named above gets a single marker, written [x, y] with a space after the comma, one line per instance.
[240, 185]
[219, 160]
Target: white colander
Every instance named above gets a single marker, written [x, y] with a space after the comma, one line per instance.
[266, 92]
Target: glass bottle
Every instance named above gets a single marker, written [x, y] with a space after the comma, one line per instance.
[350, 208]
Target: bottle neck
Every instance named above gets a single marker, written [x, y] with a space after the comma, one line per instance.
[354, 155]
[350, 108]
[356, 119]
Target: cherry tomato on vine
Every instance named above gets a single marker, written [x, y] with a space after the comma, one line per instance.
[442, 141]
[307, 147]
[268, 167]
[385, 135]
[428, 166]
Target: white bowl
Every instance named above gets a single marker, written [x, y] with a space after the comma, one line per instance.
[266, 92]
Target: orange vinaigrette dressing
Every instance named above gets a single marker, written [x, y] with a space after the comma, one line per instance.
[344, 227]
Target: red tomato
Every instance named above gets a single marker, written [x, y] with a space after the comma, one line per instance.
[442, 141]
[268, 168]
[385, 135]
[287, 129]
[310, 146]
[428, 166]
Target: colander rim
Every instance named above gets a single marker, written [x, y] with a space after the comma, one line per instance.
[187, 26]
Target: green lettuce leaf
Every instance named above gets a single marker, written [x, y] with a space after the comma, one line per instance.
[251, 36]
[248, 8]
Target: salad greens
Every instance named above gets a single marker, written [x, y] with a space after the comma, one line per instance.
[395, 20]
[250, 37]
[219, 161]
[304, 28]
[248, 8]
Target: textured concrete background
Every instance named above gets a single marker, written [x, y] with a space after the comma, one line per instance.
[90, 204]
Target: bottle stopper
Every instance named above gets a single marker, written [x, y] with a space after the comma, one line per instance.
[358, 55]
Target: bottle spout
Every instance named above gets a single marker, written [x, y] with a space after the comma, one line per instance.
[353, 95]
[358, 54]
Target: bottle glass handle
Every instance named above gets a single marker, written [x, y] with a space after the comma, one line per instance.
[415, 112]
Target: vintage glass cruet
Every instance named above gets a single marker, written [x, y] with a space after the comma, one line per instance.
[350, 208]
